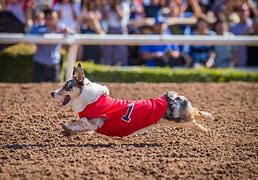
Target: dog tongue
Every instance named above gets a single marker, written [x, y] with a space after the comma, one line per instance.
[66, 100]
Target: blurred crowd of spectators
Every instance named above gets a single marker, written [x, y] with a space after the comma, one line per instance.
[221, 17]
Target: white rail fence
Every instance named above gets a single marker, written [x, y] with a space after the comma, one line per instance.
[78, 39]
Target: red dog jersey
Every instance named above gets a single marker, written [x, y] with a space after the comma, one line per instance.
[124, 117]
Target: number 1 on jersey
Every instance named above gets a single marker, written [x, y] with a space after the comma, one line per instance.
[127, 117]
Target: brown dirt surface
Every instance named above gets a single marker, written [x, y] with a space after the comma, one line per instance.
[32, 145]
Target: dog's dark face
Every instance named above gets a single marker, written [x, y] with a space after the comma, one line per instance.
[71, 88]
[179, 108]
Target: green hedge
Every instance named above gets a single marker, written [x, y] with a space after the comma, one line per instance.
[16, 66]
[16, 63]
[103, 73]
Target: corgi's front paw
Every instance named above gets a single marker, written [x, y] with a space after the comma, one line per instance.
[67, 129]
[73, 128]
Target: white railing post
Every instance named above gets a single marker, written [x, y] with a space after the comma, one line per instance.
[71, 58]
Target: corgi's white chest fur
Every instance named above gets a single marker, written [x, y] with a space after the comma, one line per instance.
[90, 93]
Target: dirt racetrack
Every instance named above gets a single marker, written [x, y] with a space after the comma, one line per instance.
[33, 147]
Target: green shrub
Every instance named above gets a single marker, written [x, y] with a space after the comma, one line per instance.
[16, 63]
[16, 66]
[103, 73]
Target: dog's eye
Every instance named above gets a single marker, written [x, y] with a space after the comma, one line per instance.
[177, 98]
[68, 86]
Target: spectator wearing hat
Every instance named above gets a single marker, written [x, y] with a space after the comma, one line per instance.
[160, 55]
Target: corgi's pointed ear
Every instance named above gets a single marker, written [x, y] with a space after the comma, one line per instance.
[79, 74]
[74, 69]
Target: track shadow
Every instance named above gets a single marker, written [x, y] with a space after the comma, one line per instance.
[143, 145]
[113, 145]
[90, 145]
[108, 145]
[21, 146]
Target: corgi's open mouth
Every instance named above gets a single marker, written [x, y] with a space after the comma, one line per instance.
[66, 99]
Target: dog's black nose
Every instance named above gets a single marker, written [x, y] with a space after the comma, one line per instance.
[52, 94]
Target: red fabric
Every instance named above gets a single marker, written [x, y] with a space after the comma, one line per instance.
[143, 114]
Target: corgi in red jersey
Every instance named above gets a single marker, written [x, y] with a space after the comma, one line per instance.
[115, 117]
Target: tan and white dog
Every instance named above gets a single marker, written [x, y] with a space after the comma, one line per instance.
[83, 95]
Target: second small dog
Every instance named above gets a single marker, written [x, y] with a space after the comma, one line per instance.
[114, 117]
